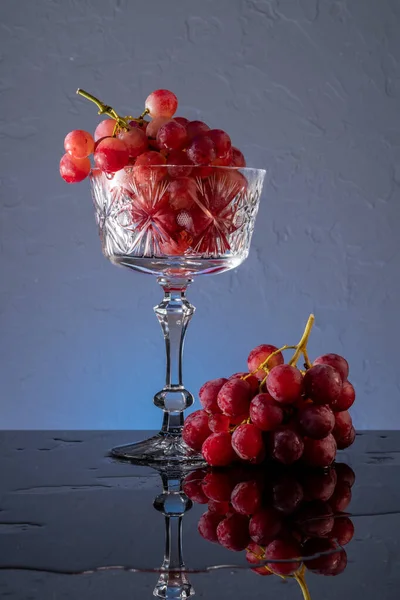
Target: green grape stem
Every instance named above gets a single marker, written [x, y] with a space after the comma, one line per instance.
[104, 109]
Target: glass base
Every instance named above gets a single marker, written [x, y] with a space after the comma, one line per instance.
[160, 450]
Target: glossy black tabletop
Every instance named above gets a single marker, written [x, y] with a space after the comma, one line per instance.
[74, 523]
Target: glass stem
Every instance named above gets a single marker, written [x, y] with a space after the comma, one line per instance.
[174, 313]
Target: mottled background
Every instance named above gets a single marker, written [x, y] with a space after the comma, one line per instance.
[309, 89]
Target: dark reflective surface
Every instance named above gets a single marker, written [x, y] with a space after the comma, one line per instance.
[66, 508]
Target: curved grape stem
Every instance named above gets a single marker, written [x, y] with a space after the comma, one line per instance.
[300, 577]
[302, 345]
[104, 109]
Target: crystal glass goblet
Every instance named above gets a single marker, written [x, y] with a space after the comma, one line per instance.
[176, 223]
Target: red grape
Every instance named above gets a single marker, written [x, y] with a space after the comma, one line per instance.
[234, 397]
[285, 384]
[182, 120]
[329, 559]
[246, 497]
[218, 422]
[154, 126]
[139, 125]
[161, 103]
[104, 129]
[316, 421]
[196, 431]
[337, 362]
[342, 531]
[208, 524]
[259, 354]
[343, 425]
[255, 556]
[171, 136]
[287, 494]
[348, 440]
[265, 412]
[233, 532]
[221, 140]
[322, 384]
[247, 441]
[286, 445]
[111, 155]
[183, 193]
[79, 143]
[224, 161]
[201, 150]
[217, 450]
[208, 394]
[73, 170]
[265, 526]
[283, 549]
[340, 498]
[340, 567]
[319, 453]
[237, 158]
[345, 398]
[135, 140]
[218, 486]
[251, 380]
[315, 519]
[145, 172]
[345, 474]
[193, 488]
[182, 165]
[319, 484]
[222, 508]
[195, 128]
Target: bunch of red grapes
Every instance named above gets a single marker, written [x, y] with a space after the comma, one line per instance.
[275, 411]
[293, 514]
[120, 142]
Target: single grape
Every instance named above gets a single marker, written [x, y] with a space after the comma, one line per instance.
[247, 441]
[325, 555]
[192, 486]
[316, 421]
[337, 362]
[111, 155]
[251, 380]
[283, 549]
[171, 136]
[135, 140]
[286, 445]
[218, 422]
[144, 170]
[233, 532]
[183, 193]
[201, 150]
[342, 531]
[154, 126]
[246, 497]
[234, 397]
[259, 354]
[193, 416]
[222, 508]
[343, 425]
[339, 568]
[345, 474]
[79, 143]
[238, 159]
[345, 398]
[73, 170]
[179, 164]
[195, 128]
[265, 412]
[255, 556]
[287, 494]
[217, 450]
[196, 431]
[346, 441]
[319, 453]
[285, 384]
[218, 486]
[223, 161]
[319, 484]
[265, 525]
[340, 498]
[208, 394]
[207, 526]
[221, 140]
[322, 384]
[182, 120]
[104, 129]
[315, 519]
[161, 103]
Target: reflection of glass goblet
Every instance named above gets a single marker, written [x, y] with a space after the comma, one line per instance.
[202, 225]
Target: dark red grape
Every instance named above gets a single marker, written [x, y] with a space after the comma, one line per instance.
[319, 484]
[265, 526]
[319, 453]
[251, 380]
[192, 486]
[234, 397]
[196, 431]
[171, 136]
[201, 150]
[218, 422]
[246, 497]
[195, 128]
[342, 531]
[340, 498]
[345, 474]
[259, 354]
[217, 450]
[337, 362]
[218, 486]
[208, 524]
[285, 384]
[315, 519]
[286, 445]
[339, 568]
[283, 549]
[345, 399]
[287, 494]
[330, 555]
[208, 394]
[247, 441]
[316, 421]
[343, 425]
[238, 159]
[265, 412]
[322, 384]
[348, 440]
[222, 508]
[233, 532]
[221, 140]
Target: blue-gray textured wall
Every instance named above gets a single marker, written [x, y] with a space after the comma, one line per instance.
[310, 89]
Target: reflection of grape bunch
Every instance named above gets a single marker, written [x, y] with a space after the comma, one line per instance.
[278, 513]
[276, 410]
